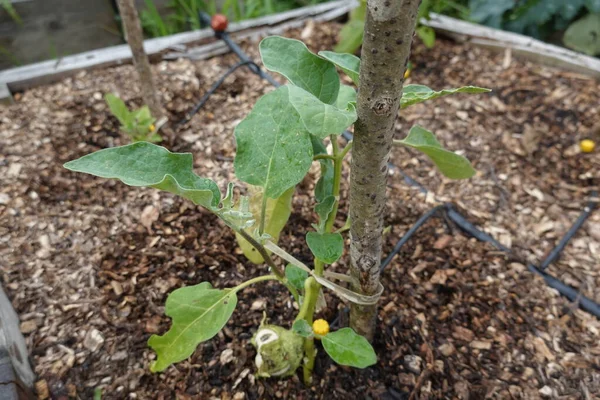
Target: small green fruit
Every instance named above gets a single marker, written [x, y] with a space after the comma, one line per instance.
[278, 351]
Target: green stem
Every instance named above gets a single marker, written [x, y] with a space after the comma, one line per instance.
[263, 252]
[253, 281]
[337, 177]
[263, 214]
[323, 157]
[346, 150]
[267, 257]
[307, 311]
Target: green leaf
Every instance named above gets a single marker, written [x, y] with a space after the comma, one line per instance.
[295, 276]
[346, 347]
[143, 117]
[346, 96]
[488, 11]
[146, 164]
[348, 63]
[323, 209]
[198, 313]
[274, 150]
[302, 328]
[593, 5]
[118, 108]
[277, 214]
[414, 94]
[450, 164]
[427, 36]
[320, 119]
[292, 59]
[584, 35]
[327, 247]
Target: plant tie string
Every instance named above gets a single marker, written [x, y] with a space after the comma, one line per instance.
[342, 292]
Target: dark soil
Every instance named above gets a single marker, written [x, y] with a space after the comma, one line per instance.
[88, 263]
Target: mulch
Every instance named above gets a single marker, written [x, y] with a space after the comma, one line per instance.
[88, 263]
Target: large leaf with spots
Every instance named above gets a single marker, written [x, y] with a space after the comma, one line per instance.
[198, 312]
[292, 59]
[274, 150]
[146, 164]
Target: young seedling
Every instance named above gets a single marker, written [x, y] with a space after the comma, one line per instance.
[277, 143]
[138, 124]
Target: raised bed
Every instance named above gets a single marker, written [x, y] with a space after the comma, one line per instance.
[95, 259]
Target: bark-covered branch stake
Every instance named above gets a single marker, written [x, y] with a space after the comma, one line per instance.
[133, 34]
[389, 29]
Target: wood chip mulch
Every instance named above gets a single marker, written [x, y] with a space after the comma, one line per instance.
[88, 262]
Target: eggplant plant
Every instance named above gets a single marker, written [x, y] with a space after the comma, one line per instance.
[286, 131]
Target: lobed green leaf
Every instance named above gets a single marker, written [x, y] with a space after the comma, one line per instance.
[274, 150]
[414, 94]
[327, 247]
[348, 63]
[292, 59]
[346, 347]
[198, 312]
[450, 164]
[146, 164]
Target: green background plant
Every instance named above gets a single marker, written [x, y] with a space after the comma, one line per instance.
[137, 124]
[574, 23]
[182, 15]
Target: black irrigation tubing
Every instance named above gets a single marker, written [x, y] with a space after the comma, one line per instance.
[214, 87]
[447, 209]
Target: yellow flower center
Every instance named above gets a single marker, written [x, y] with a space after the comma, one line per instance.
[321, 327]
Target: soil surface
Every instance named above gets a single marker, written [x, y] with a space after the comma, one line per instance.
[88, 263]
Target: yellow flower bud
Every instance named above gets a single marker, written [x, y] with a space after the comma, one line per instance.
[407, 73]
[151, 128]
[587, 145]
[321, 327]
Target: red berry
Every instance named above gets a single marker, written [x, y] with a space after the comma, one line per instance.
[219, 23]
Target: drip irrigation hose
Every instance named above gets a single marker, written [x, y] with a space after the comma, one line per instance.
[447, 209]
[420, 222]
[555, 253]
[214, 87]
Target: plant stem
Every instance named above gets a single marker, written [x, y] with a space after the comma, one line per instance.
[263, 252]
[311, 287]
[255, 280]
[267, 257]
[323, 157]
[337, 177]
[346, 150]
[263, 216]
[307, 311]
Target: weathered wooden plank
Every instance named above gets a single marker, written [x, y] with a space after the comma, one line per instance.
[16, 376]
[212, 49]
[524, 46]
[49, 71]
